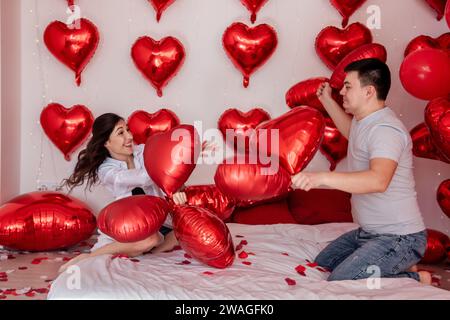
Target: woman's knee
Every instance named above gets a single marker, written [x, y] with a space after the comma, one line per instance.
[145, 245]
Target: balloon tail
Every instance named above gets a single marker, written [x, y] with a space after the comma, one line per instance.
[159, 92]
[246, 81]
[253, 17]
[67, 157]
[158, 16]
[78, 79]
[345, 22]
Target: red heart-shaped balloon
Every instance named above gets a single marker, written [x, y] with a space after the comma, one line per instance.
[249, 48]
[334, 145]
[158, 61]
[371, 50]
[251, 182]
[437, 119]
[333, 44]
[160, 6]
[346, 8]
[171, 156]
[447, 13]
[305, 94]
[133, 218]
[211, 198]
[443, 197]
[203, 236]
[73, 45]
[423, 145]
[42, 221]
[67, 128]
[438, 6]
[253, 6]
[143, 124]
[239, 123]
[300, 133]
[70, 2]
[437, 242]
[424, 42]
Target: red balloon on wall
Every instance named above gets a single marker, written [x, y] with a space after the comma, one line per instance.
[42, 221]
[160, 6]
[170, 157]
[333, 44]
[143, 124]
[423, 145]
[437, 242]
[447, 13]
[334, 145]
[346, 8]
[74, 45]
[427, 42]
[204, 236]
[424, 73]
[67, 128]
[133, 218]
[443, 197]
[437, 119]
[372, 50]
[158, 61]
[249, 48]
[253, 6]
[438, 6]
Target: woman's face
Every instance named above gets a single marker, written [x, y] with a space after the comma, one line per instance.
[120, 143]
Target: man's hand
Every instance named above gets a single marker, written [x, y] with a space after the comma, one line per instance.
[324, 92]
[179, 198]
[307, 181]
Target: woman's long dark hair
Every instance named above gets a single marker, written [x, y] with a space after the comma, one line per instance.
[95, 153]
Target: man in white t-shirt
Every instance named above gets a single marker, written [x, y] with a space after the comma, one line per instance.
[392, 237]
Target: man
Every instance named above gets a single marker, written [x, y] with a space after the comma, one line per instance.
[392, 236]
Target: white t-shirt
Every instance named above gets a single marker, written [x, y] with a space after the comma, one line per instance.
[115, 176]
[396, 211]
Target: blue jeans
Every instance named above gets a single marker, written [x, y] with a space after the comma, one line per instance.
[356, 254]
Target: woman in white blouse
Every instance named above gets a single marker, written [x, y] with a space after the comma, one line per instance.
[111, 159]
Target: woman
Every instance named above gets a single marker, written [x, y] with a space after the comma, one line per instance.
[111, 159]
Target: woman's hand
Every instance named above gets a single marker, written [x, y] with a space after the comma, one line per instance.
[179, 198]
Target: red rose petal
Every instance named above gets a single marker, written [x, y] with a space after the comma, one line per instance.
[285, 254]
[135, 260]
[243, 255]
[23, 268]
[290, 281]
[187, 256]
[10, 257]
[120, 256]
[208, 273]
[324, 270]
[67, 259]
[301, 270]
[239, 236]
[41, 290]
[312, 265]
[30, 294]
[3, 274]
[2, 297]
[38, 260]
[248, 263]
[183, 262]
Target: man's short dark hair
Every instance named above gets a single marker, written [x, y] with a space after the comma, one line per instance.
[373, 72]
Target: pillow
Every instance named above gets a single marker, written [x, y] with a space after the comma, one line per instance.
[320, 206]
[267, 213]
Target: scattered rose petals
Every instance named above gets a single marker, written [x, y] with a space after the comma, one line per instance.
[246, 263]
[183, 262]
[208, 273]
[312, 265]
[285, 254]
[135, 260]
[187, 256]
[38, 260]
[301, 270]
[23, 268]
[290, 281]
[239, 236]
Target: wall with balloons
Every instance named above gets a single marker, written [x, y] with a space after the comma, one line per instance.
[206, 83]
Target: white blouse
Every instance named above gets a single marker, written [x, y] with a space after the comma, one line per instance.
[115, 176]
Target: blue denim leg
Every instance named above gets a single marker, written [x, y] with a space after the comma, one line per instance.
[338, 250]
[390, 255]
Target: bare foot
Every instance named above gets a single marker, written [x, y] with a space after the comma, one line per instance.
[413, 269]
[425, 277]
[73, 261]
[170, 241]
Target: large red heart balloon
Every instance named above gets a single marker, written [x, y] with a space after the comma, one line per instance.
[447, 13]
[67, 128]
[249, 48]
[300, 134]
[171, 156]
[346, 8]
[203, 236]
[41, 221]
[160, 6]
[251, 182]
[437, 119]
[253, 6]
[424, 73]
[73, 45]
[443, 197]
[143, 124]
[437, 242]
[158, 61]
[424, 42]
[211, 198]
[334, 145]
[438, 6]
[305, 94]
[333, 44]
[372, 50]
[239, 125]
[423, 145]
[133, 218]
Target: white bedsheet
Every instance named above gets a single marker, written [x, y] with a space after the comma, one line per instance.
[274, 252]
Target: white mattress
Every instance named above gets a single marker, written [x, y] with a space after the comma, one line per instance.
[274, 253]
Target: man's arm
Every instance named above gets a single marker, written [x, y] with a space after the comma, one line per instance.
[341, 119]
[374, 180]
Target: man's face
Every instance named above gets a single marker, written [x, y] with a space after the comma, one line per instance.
[355, 96]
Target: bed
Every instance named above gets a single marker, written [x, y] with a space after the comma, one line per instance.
[272, 262]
